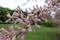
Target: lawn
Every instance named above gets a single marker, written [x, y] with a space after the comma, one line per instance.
[43, 33]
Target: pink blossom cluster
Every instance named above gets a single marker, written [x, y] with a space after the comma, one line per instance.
[38, 14]
[12, 34]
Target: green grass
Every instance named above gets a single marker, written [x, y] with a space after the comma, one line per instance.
[43, 33]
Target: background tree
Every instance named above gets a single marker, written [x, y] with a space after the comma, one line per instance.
[4, 12]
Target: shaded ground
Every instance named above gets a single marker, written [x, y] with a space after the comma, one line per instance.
[58, 36]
